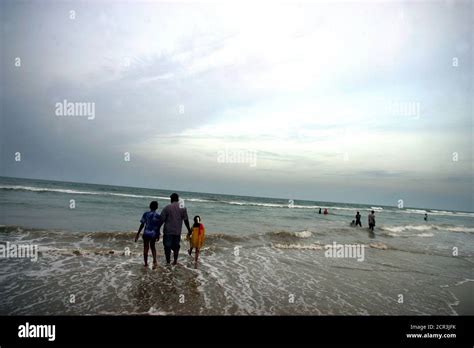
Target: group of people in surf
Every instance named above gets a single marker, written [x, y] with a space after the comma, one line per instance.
[370, 220]
[325, 211]
[172, 217]
[356, 222]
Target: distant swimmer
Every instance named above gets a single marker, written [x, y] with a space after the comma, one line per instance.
[325, 211]
[196, 237]
[426, 217]
[357, 221]
[319, 210]
[371, 221]
[353, 223]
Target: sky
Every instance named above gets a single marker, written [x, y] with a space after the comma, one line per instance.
[361, 102]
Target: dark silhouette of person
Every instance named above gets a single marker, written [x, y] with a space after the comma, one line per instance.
[357, 222]
[371, 220]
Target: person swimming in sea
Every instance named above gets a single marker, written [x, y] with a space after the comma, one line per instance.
[426, 217]
[196, 237]
[325, 211]
[319, 210]
[151, 234]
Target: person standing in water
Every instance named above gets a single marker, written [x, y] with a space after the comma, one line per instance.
[325, 211]
[357, 220]
[149, 220]
[196, 238]
[172, 216]
[319, 210]
[371, 220]
[426, 217]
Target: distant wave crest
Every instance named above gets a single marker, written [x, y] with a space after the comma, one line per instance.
[242, 203]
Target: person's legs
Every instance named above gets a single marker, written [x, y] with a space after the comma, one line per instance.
[167, 240]
[153, 251]
[176, 246]
[146, 245]
[197, 255]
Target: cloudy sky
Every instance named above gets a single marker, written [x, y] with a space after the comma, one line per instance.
[367, 102]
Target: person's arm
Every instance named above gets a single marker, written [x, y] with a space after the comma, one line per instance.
[139, 230]
[158, 232]
[186, 221]
[161, 220]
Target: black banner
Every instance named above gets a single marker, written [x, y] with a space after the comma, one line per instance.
[163, 331]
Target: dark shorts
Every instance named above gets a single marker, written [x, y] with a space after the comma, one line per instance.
[171, 241]
[371, 226]
[150, 236]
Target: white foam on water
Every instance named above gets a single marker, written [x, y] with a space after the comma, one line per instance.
[421, 228]
[416, 211]
[459, 229]
[45, 189]
[198, 200]
[464, 281]
[154, 311]
[77, 192]
[302, 234]
[313, 246]
[294, 206]
[378, 245]
[407, 228]
[257, 204]
[424, 235]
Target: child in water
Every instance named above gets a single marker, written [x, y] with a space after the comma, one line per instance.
[196, 237]
[151, 233]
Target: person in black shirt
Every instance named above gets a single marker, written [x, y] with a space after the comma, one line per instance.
[358, 223]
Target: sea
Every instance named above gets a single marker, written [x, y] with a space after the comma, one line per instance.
[262, 256]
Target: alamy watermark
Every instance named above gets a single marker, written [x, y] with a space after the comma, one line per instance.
[404, 108]
[19, 251]
[76, 109]
[37, 331]
[237, 156]
[335, 250]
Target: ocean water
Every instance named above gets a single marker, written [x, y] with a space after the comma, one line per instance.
[262, 256]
